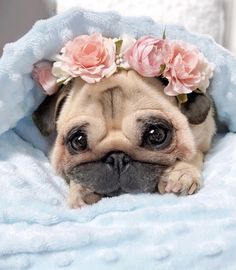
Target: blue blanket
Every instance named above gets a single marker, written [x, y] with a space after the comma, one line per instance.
[38, 230]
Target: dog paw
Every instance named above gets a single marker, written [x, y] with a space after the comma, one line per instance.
[181, 179]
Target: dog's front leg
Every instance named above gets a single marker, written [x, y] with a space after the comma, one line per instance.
[80, 196]
[183, 178]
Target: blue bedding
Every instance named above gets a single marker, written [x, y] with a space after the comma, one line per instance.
[39, 231]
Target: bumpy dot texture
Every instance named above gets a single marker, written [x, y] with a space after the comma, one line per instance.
[38, 230]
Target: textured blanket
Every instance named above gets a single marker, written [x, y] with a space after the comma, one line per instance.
[38, 230]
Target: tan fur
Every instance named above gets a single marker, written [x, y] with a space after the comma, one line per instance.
[110, 110]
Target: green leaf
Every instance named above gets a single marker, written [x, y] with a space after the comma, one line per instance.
[118, 45]
[182, 98]
[164, 33]
[162, 68]
[120, 69]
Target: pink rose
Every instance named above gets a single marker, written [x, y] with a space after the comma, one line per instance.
[186, 69]
[146, 56]
[42, 74]
[90, 57]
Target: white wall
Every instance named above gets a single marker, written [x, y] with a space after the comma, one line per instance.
[18, 16]
[230, 28]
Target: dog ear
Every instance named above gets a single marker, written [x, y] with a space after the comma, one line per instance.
[46, 115]
[196, 108]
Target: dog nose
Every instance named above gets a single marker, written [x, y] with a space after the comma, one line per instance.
[118, 161]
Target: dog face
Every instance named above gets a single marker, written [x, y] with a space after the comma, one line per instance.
[118, 135]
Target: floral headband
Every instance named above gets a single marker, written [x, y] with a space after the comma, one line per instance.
[93, 57]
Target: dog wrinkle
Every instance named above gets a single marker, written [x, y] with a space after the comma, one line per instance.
[112, 101]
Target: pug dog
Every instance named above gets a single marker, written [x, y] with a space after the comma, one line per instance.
[124, 135]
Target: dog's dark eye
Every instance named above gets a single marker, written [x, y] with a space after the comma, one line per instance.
[155, 136]
[78, 141]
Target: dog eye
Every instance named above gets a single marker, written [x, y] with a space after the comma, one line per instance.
[78, 141]
[155, 136]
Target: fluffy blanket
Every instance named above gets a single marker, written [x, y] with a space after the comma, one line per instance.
[38, 231]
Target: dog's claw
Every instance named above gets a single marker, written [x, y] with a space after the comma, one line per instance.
[177, 187]
[192, 189]
[161, 187]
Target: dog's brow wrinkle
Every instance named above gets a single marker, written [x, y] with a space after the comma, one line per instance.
[112, 102]
[112, 105]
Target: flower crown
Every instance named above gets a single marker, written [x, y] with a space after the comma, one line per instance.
[93, 57]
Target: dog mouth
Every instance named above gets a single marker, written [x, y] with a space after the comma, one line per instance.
[114, 193]
[117, 177]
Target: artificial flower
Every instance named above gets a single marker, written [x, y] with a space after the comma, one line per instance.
[146, 56]
[89, 57]
[42, 74]
[186, 69]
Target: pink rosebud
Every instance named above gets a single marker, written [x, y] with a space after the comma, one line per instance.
[146, 56]
[90, 57]
[186, 69]
[42, 74]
